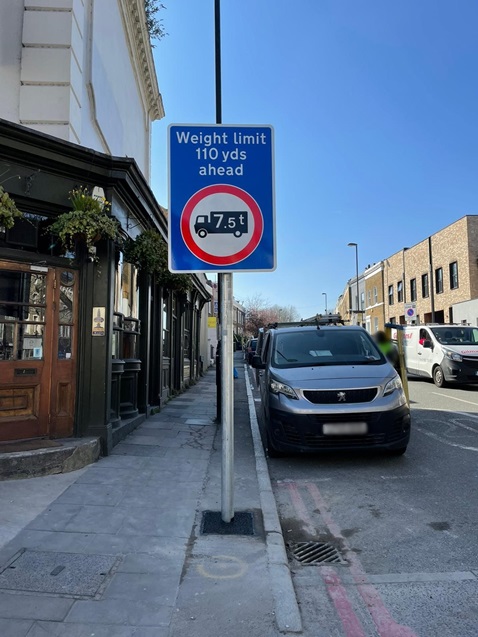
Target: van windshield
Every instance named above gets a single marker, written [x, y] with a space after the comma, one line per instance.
[456, 335]
[325, 347]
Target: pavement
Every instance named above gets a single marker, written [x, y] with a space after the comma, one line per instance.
[117, 549]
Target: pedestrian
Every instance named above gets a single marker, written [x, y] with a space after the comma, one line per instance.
[388, 349]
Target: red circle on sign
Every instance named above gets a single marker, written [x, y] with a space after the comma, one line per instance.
[228, 190]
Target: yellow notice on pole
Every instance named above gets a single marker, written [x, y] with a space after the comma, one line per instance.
[211, 321]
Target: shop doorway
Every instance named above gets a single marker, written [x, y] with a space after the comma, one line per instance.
[38, 340]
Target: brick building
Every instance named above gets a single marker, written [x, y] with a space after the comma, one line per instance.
[436, 274]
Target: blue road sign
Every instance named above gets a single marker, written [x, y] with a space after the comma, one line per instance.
[221, 198]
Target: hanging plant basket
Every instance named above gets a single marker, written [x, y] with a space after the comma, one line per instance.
[149, 252]
[8, 210]
[87, 223]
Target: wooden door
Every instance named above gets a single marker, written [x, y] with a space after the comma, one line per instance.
[37, 364]
[63, 373]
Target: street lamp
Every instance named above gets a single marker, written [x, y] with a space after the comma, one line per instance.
[325, 294]
[355, 245]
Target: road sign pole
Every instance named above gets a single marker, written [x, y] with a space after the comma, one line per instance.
[226, 390]
[227, 402]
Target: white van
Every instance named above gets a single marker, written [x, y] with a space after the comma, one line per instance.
[446, 353]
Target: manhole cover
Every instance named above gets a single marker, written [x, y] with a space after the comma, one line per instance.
[315, 553]
[60, 573]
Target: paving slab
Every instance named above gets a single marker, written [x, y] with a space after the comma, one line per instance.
[15, 627]
[141, 509]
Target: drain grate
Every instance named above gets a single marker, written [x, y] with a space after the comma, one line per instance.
[315, 553]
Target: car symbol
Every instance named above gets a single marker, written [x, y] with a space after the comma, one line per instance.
[341, 397]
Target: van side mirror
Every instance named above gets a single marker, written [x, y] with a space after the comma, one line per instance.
[257, 362]
[428, 344]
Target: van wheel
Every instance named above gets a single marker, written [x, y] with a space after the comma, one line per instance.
[202, 233]
[439, 377]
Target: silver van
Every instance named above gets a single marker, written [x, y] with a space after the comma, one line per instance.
[330, 388]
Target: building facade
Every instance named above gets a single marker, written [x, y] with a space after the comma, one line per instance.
[60, 74]
[374, 298]
[351, 303]
[435, 274]
[89, 342]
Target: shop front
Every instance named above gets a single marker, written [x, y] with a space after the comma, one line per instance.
[89, 342]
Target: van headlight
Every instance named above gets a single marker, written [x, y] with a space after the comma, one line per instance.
[453, 356]
[281, 388]
[392, 385]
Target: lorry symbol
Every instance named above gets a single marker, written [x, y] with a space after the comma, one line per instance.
[221, 223]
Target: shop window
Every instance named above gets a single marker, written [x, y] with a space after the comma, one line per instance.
[439, 280]
[117, 349]
[126, 325]
[166, 329]
[454, 275]
[425, 286]
[22, 315]
[65, 314]
[131, 338]
[413, 290]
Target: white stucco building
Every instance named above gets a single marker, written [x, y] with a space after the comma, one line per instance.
[81, 70]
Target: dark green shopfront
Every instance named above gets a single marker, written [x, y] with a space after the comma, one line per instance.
[90, 343]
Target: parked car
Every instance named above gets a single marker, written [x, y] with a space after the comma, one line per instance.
[329, 388]
[250, 350]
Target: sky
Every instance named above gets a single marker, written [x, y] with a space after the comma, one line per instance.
[374, 105]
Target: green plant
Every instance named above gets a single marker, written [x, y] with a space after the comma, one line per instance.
[87, 222]
[149, 252]
[153, 23]
[8, 210]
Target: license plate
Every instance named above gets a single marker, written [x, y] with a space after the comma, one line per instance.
[344, 428]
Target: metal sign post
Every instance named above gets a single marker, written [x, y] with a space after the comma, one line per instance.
[227, 400]
[221, 219]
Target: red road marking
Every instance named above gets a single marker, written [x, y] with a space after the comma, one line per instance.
[386, 625]
[337, 592]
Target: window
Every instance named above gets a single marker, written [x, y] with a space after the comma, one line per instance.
[439, 280]
[375, 295]
[362, 300]
[425, 286]
[392, 320]
[390, 294]
[400, 292]
[375, 324]
[369, 298]
[413, 290]
[454, 275]
[23, 313]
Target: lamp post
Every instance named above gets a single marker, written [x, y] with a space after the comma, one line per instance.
[355, 245]
[325, 294]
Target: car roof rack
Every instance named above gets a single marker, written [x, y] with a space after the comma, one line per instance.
[317, 321]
